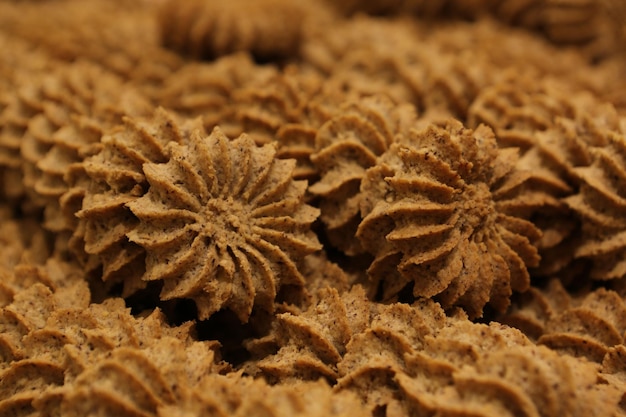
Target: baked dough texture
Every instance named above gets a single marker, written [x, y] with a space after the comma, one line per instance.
[437, 215]
[585, 324]
[116, 177]
[267, 29]
[296, 208]
[600, 206]
[224, 224]
[415, 359]
[345, 147]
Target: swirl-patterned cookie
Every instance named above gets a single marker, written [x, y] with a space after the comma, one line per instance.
[67, 110]
[435, 217]
[223, 223]
[346, 146]
[268, 29]
[459, 366]
[112, 35]
[413, 359]
[601, 204]
[116, 177]
[587, 325]
[555, 128]
[309, 345]
[240, 396]
[73, 358]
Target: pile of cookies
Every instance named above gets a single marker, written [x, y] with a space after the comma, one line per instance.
[285, 208]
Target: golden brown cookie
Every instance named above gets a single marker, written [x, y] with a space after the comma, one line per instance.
[223, 223]
[555, 128]
[343, 52]
[308, 345]
[132, 381]
[240, 396]
[411, 66]
[288, 108]
[116, 177]
[415, 359]
[78, 358]
[593, 26]
[206, 90]
[80, 102]
[115, 35]
[589, 328]
[600, 206]
[268, 29]
[583, 324]
[240, 96]
[346, 146]
[54, 342]
[531, 310]
[455, 366]
[435, 217]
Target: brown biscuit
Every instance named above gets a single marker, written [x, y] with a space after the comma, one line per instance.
[207, 89]
[531, 310]
[556, 129]
[117, 36]
[589, 328]
[79, 103]
[223, 223]
[461, 367]
[310, 344]
[583, 324]
[268, 29]
[346, 146]
[116, 177]
[240, 96]
[593, 26]
[54, 342]
[136, 380]
[435, 217]
[240, 396]
[600, 206]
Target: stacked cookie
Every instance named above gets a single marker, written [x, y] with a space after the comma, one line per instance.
[292, 208]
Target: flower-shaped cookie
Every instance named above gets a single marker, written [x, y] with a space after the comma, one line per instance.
[517, 107]
[585, 324]
[20, 62]
[437, 215]
[206, 89]
[55, 348]
[235, 395]
[601, 205]
[66, 111]
[113, 35]
[240, 96]
[416, 360]
[346, 146]
[555, 127]
[310, 344]
[223, 223]
[116, 177]
[531, 310]
[288, 108]
[268, 29]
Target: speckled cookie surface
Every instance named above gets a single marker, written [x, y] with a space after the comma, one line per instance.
[378, 208]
